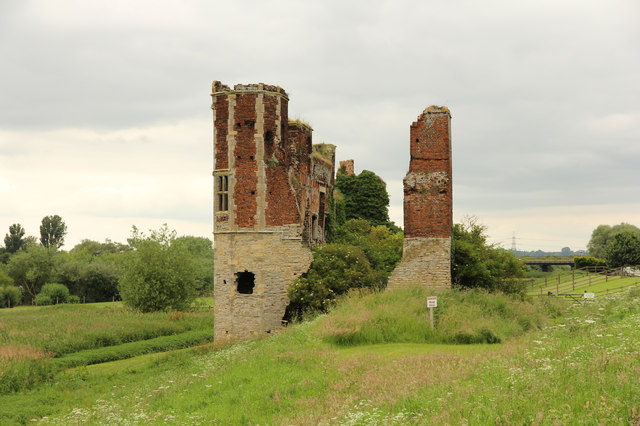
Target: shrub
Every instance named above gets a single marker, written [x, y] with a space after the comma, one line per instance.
[10, 296]
[73, 299]
[158, 276]
[336, 269]
[43, 300]
[585, 261]
[475, 263]
[57, 293]
[382, 247]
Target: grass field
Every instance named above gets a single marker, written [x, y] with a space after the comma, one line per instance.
[578, 363]
[580, 282]
[36, 342]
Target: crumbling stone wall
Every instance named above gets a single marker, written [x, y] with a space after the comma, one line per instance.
[269, 206]
[428, 207]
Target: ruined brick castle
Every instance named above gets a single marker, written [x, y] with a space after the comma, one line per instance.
[426, 253]
[271, 194]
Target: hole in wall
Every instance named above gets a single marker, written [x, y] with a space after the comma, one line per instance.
[268, 137]
[245, 282]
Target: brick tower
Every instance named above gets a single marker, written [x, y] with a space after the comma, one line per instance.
[426, 256]
[269, 206]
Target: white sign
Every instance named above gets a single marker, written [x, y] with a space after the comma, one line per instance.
[432, 302]
[589, 295]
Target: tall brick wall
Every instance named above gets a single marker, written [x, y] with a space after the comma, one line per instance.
[266, 169]
[428, 218]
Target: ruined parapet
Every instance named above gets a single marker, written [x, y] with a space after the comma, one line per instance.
[264, 190]
[426, 257]
[347, 167]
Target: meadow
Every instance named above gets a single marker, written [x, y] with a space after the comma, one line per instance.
[36, 342]
[375, 360]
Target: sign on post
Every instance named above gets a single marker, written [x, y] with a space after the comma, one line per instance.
[589, 295]
[432, 302]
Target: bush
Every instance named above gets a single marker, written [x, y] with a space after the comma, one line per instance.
[43, 300]
[10, 296]
[477, 264]
[336, 269]
[585, 261]
[382, 247]
[73, 299]
[158, 276]
[56, 293]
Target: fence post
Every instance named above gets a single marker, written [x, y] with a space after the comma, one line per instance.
[558, 288]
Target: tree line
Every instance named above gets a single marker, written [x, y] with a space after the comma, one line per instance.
[161, 271]
[33, 272]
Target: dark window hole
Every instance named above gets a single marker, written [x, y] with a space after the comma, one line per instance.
[246, 281]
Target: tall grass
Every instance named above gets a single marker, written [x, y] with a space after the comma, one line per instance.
[582, 367]
[63, 329]
[31, 337]
[471, 316]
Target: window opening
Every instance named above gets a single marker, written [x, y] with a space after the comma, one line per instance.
[223, 193]
[246, 281]
[268, 137]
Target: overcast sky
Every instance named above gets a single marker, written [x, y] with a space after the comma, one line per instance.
[105, 110]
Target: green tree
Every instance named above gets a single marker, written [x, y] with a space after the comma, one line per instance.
[624, 250]
[5, 280]
[365, 197]
[32, 268]
[52, 231]
[158, 275]
[14, 240]
[604, 234]
[475, 263]
[201, 251]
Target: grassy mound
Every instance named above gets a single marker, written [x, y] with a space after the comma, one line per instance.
[462, 317]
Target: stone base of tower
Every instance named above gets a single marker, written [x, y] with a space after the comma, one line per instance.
[426, 262]
[252, 272]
